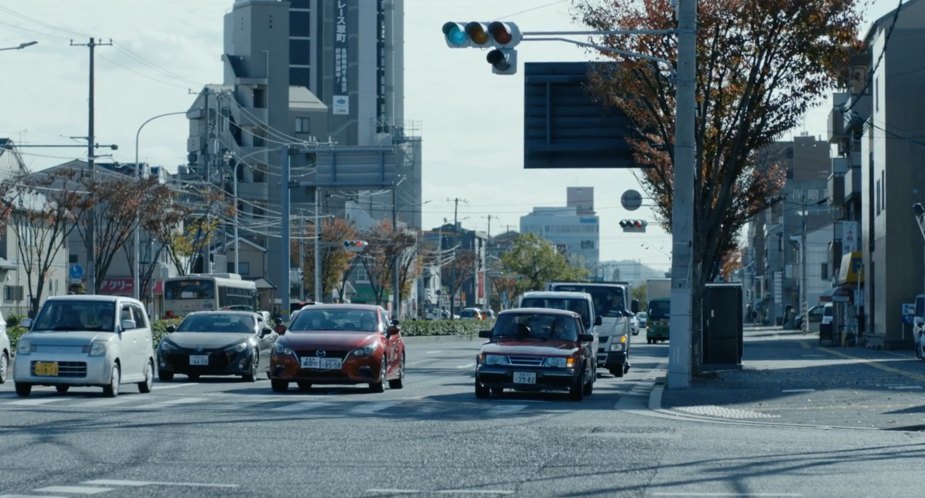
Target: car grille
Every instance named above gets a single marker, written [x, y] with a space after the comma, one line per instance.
[327, 353]
[73, 369]
[526, 361]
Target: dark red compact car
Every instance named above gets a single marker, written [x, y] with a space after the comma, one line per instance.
[339, 344]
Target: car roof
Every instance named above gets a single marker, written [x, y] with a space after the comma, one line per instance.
[94, 297]
[341, 306]
[224, 312]
[563, 294]
[538, 311]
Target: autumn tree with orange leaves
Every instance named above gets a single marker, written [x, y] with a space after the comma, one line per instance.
[761, 64]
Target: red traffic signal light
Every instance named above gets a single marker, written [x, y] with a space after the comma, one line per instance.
[502, 36]
[633, 225]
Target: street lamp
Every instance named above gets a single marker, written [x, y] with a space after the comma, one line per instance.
[136, 280]
[20, 46]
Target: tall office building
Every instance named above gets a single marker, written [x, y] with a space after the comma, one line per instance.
[574, 229]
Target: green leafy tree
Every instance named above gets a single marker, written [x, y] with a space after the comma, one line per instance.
[336, 263]
[760, 65]
[535, 261]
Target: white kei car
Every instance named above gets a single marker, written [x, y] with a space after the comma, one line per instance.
[78, 341]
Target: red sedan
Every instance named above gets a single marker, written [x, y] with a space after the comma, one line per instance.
[339, 344]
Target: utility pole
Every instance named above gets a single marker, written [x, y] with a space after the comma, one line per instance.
[456, 202]
[487, 266]
[803, 305]
[302, 255]
[396, 284]
[318, 298]
[91, 142]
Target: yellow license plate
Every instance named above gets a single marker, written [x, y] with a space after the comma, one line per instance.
[49, 368]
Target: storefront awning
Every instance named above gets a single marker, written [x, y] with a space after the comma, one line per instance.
[842, 291]
[852, 269]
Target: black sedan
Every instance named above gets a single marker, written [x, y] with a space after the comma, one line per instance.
[217, 343]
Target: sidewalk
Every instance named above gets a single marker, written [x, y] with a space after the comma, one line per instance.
[788, 378]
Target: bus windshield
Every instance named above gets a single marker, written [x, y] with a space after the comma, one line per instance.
[189, 289]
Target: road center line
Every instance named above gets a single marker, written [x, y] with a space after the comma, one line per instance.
[118, 482]
[158, 387]
[77, 490]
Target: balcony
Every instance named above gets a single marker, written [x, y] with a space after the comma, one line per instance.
[853, 184]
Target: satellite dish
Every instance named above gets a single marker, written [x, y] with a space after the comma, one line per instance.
[631, 200]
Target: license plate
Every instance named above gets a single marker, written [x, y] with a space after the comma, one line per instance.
[524, 377]
[321, 363]
[49, 368]
[199, 359]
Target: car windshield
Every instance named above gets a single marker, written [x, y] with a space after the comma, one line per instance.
[217, 322]
[539, 326]
[579, 306]
[659, 308]
[76, 316]
[608, 300]
[348, 320]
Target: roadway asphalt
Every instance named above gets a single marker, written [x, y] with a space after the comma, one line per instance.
[787, 378]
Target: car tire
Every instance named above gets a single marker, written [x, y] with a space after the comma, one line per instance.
[255, 364]
[379, 387]
[589, 388]
[279, 386]
[164, 375]
[617, 372]
[23, 390]
[577, 391]
[144, 386]
[62, 389]
[4, 367]
[304, 386]
[115, 380]
[481, 392]
[399, 382]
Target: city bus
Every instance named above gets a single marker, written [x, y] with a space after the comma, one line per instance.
[198, 292]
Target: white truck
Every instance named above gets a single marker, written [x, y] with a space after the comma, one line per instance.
[613, 305]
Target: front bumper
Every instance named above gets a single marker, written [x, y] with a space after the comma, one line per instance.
[547, 379]
[73, 370]
[220, 362]
[611, 359]
[353, 370]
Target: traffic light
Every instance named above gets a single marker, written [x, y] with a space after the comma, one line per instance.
[502, 37]
[633, 225]
[355, 245]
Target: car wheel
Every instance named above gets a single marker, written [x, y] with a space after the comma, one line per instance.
[279, 386]
[193, 377]
[255, 364]
[589, 388]
[617, 372]
[577, 391]
[4, 366]
[378, 387]
[115, 379]
[397, 383]
[304, 386]
[164, 375]
[23, 390]
[145, 385]
[481, 392]
[62, 389]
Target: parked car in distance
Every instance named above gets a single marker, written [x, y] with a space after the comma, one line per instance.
[642, 317]
[488, 314]
[339, 344]
[86, 340]
[536, 349]
[471, 314]
[216, 343]
[5, 353]
[815, 318]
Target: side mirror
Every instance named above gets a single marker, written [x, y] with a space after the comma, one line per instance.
[280, 329]
[27, 323]
[171, 329]
[128, 324]
[265, 332]
[485, 334]
[598, 320]
[585, 337]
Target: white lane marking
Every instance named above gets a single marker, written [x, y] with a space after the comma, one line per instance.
[32, 496]
[302, 406]
[728, 494]
[105, 402]
[116, 482]
[77, 490]
[158, 387]
[904, 387]
[434, 352]
[390, 491]
[36, 402]
[373, 407]
[171, 402]
[476, 491]
[797, 390]
[506, 409]
[467, 365]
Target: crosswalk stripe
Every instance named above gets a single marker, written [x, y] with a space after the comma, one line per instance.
[302, 406]
[105, 402]
[36, 401]
[373, 407]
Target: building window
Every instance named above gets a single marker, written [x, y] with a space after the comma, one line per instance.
[361, 275]
[302, 125]
[72, 258]
[260, 98]
[825, 271]
[877, 200]
[244, 267]
[883, 192]
[587, 244]
[12, 293]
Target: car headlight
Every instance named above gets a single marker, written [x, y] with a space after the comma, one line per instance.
[98, 348]
[367, 350]
[167, 346]
[283, 350]
[495, 359]
[24, 347]
[237, 348]
[617, 346]
[555, 362]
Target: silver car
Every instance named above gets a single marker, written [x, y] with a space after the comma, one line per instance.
[5, 353]
[86, 340]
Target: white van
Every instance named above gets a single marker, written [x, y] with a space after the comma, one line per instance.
[579, 302]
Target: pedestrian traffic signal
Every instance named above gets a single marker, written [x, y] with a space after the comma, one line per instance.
[633, 225]
[355, 245]
[500, 36]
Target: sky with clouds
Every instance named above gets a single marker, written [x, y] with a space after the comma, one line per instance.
[164, 51]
